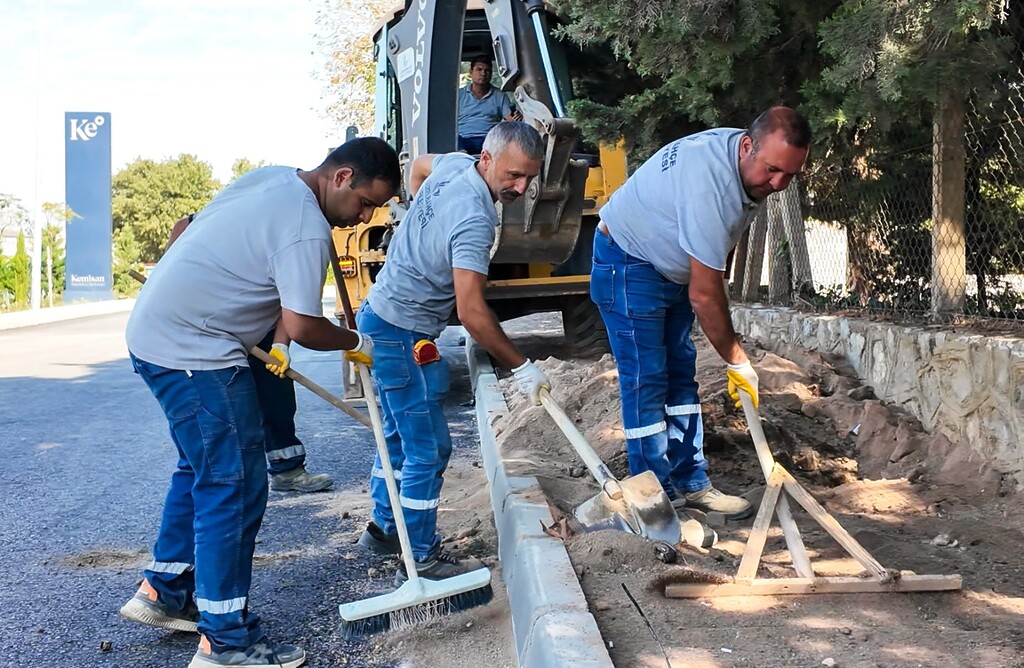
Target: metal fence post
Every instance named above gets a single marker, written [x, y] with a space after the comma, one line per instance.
[949, 245]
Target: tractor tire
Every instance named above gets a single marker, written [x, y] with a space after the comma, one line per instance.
[584, 328]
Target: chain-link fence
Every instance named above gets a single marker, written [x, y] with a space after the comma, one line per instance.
[918, 220]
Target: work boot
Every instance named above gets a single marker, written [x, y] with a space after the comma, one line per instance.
[146, 608]
[439, 566]
[261, 653]
[710, 500]
[375, 540]
[299, 480]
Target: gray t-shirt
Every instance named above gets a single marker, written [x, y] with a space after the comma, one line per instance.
[686, 201]
[478, 116]
[450, 225]
[261, 244]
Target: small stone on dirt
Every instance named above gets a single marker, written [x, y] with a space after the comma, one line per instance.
[577, 471]
[829, 662]
[861, 393]
[466, 533]
[371, 572]
[606, 552]
[345, 515]
[601, 606]
[106, 645]
[846, 630]
[944, 540]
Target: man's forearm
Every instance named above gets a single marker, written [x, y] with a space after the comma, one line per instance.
[712, 310]
[318, 333]
[485, 329]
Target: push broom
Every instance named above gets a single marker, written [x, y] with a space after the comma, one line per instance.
[418, 599]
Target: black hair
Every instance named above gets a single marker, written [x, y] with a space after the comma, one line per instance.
[480, 59]
[369, 158]
[796, 131]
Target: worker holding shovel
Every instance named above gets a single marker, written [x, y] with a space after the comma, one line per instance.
[438, 260]
[659, 262]
[258, 253]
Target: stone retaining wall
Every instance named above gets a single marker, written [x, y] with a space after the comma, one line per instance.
[967, 387]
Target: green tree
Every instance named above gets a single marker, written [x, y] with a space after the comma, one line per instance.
[21, 279]
[127, 251]
[243, 166]
[348, 70]
[56, 215]
[150, 196]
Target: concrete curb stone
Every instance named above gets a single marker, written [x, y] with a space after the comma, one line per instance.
[551, 623]
[45, 316]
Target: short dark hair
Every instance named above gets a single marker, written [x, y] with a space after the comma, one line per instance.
[480, 59]
[796, 131]
[369, 158]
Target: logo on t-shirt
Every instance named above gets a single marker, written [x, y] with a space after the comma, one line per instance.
[668, 156]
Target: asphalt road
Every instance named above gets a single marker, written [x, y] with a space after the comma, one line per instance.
[85, 464]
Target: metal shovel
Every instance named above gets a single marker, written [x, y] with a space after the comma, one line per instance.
[637, 504]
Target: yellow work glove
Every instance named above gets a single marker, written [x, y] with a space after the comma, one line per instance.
[279, 351]
[362, 353]
[742, 377]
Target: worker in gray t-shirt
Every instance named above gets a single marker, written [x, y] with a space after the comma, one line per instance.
[438, 261]
[659, 261]
[481, 107]
[257, 255]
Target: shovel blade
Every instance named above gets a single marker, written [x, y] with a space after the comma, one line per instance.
[644, 509]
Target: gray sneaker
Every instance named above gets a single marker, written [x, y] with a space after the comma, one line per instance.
[299, 480]
[375, 540]
[710, 500]
[261, 653]
[145, 608]
[440, 566]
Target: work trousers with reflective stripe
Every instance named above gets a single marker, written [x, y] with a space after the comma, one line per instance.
[649, 319]
[416, 431]
[216, 500]
[276, 395]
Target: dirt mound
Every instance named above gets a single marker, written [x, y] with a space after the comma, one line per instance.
[914, 500]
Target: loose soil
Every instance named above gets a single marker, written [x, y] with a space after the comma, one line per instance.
[914, 500]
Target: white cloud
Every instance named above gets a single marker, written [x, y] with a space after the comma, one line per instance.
[218, 80]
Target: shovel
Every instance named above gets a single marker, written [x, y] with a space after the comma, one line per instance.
[637, 504]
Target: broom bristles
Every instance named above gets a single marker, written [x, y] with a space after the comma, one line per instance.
[418, 613]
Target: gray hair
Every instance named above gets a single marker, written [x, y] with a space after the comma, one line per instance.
[514, 132]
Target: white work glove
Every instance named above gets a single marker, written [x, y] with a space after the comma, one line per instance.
[742, 378]
[279, 351]
[531, 379]
[362, 353]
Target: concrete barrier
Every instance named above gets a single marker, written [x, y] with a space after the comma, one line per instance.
[551, 623]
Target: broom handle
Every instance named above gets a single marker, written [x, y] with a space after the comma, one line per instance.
[389, 475]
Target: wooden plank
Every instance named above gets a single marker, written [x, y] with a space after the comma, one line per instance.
[821, 585]
[759, 532]
[832, 526]
[755, 257]
[795, 544]
[797, 551]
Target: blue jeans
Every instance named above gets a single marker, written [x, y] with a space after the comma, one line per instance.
[471, 145]
[649, 319]
[415, 429]
[276, 395]
[217, 497]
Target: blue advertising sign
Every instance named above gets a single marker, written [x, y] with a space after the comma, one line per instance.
[87, 193]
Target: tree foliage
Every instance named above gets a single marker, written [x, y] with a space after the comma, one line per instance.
[149, 196]
[344, 39]
[243, 166]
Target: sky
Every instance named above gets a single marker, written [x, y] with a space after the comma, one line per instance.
[221, 80]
